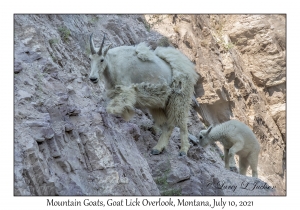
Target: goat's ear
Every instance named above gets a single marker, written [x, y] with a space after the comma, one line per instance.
[106, 50]
[209, 129]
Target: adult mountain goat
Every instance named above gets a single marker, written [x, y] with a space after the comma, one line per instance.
[237, 138]
[161, 81]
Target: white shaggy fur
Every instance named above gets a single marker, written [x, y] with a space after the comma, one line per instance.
[144, 53]
[237, 138]
[162, 81]
[182, 66]
[124, 98]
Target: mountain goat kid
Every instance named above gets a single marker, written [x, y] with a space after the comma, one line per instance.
[237, 138]
[161, 81]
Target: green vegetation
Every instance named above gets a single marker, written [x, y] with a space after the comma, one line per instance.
[219, 28]
[162, 180]
[64, 33]
[147, 25]
[164, 187]
[226, 46]
[229, 46]
[53, 41]
[39, 90]
[222, 156]
[172, 192]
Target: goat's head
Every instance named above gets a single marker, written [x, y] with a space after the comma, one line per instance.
[204, 140]
[98, 61]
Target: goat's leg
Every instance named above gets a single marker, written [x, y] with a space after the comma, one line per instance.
[185, 145]
[232, 151]
[253, 161]
[226, 158]
[163, 139]
[243, 165]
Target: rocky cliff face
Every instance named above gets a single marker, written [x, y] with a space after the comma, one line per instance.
[65, 143]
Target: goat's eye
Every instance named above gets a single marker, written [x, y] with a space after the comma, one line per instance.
[101, 60]
[200, 137]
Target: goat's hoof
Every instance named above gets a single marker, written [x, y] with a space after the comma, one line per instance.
[155, 152]
[182, 153]
[233, 169]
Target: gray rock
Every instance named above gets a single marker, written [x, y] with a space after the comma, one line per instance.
[37, 123]
[48, 133]
[69, 126]
[22, 94]
[73, 111]
[17, 67]
[86, 92]
[179, 173]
